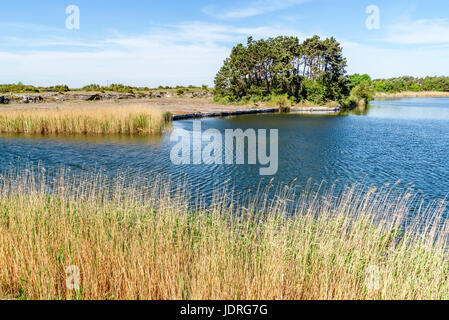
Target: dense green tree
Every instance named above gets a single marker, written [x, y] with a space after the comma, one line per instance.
[356, 79]
[408, 83]
[363, 91]
[313, 69]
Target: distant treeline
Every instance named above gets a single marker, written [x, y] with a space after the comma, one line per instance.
[408, 83]
[21, 88]
[120, 88]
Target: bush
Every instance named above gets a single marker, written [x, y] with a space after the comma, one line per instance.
[350, 102]
[223, 99]
[364, 91]
[119, 88]
[315, 92]
[356, 79]
[280, 101]
[91, 87]
[18, 88]
[60, 88]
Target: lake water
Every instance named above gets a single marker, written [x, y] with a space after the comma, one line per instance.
[402, 139]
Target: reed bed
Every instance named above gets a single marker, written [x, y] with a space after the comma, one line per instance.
[413, 94]
[125, 120]
[148, 243]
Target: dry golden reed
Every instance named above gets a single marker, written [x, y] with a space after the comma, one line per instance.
[126, 120]
[413, 94]
[145, 243]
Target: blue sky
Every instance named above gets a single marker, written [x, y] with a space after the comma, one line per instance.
[153, 42]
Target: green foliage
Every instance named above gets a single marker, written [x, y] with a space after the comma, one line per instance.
[363, 91]
[17, 88]
[314, 91]
[281, 66]
[349, 102]
[59, 88]
[119, 88]
[92, 87]
[380, 86]
[356, 79]
[222, 99]
[280, 101]
[180, 92]
[21, 88]
[408, 83]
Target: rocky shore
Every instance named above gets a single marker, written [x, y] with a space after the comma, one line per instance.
[55, 97]
[310, 110]
[190, 105]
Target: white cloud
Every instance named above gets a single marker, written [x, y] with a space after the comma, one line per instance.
[49, 41]
[188, 53]
[253, 8]
[422, 31]
[386, 62]
[150, 66]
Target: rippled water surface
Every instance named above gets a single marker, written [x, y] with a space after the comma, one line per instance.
[402, 139]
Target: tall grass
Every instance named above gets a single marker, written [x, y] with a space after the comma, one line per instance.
[128, 120]
[147, 243]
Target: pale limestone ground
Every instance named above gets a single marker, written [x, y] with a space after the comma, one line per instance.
[175, 105]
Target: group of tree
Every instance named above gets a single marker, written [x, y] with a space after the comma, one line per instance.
[22, 88]
[17, 88]
[313, 70]
[408, 83]
[362, 85]
[121, 88]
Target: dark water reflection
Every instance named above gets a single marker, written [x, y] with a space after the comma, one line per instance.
[403, 139]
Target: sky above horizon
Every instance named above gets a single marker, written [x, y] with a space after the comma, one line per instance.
[152, 43]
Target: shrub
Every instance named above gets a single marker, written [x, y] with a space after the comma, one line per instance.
[315, 92]
[350, 102]
[60, 88]
[18, 88]
[280, 101]
[364, 91]
[91, 87]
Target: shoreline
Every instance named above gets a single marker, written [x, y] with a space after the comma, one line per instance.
[294, 110]
[410, 94]
[181, 108]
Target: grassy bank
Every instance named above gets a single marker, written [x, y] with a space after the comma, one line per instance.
[413, 94]
[130, 243]
[102, 120]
